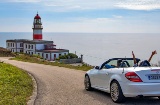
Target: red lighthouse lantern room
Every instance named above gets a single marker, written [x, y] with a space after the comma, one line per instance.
[37, 28]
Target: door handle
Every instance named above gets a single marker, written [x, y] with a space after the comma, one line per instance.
[107, 73]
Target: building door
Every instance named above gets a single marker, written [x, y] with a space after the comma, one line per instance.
[54, 56]
[46, 56]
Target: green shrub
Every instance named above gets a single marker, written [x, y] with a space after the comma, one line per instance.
[36, 55]
[68, 56]
[72, 55]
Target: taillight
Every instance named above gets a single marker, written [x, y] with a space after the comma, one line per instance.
[132, 76]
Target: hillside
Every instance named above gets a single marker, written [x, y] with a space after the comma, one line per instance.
[5, 53]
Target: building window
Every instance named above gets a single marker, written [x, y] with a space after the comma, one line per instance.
[29, 52]
[59, 54]
[64, 53]
[8, 44]
[21, 50]
[21, 44]
[26, 45]
[46, 55]
[32, 46]
[42, 54]
[26, 52]
[11, 44]
[32, 53]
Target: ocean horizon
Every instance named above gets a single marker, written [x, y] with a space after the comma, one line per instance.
[98, 47]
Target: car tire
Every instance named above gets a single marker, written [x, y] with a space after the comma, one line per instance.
[116, 92]
[87, 83]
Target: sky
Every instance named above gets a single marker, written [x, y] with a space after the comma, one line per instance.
[84, 16]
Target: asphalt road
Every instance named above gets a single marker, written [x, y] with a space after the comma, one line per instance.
[62, 86]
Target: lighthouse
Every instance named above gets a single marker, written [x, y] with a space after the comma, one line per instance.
[37, 28]
[44, 48]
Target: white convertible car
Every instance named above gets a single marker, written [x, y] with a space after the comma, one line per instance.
[121, 79]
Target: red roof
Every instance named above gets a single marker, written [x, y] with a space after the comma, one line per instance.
[37, 17]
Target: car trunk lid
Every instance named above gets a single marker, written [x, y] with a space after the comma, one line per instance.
[149, 75]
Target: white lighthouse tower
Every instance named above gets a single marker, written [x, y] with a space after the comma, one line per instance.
[37, 28]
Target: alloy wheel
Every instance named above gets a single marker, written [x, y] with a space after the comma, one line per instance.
[87, 83]
[114, 91]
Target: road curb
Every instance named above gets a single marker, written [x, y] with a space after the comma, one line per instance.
[32, 98]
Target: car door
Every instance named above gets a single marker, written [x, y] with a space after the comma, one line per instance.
[102, 78]
[93, 78]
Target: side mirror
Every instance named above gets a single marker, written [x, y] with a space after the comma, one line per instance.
[97, 67]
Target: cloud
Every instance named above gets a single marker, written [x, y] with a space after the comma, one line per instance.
[139, 4]
[22, 1]
[116, 16]
[73, 5]
[93, 25]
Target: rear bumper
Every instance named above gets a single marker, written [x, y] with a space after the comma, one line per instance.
[133, 89]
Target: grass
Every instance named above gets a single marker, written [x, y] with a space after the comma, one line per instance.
[33, 59]
[16, 85]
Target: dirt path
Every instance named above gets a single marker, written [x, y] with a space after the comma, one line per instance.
[62, 86]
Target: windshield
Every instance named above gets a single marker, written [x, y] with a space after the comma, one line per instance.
[119, 62]
[114, 62]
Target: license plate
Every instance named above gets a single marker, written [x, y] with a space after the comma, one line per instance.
[154, 77]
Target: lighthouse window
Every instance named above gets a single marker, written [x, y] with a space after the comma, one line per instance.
[37, 21]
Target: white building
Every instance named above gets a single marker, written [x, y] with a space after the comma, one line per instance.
[46, 49]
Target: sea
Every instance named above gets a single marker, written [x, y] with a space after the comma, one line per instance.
[96, 48]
